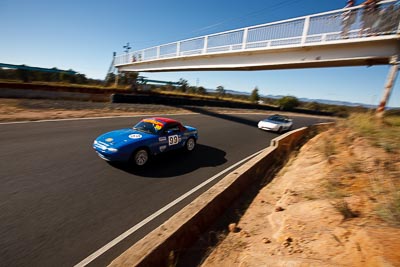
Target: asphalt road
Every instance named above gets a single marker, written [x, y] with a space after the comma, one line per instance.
[59, 202]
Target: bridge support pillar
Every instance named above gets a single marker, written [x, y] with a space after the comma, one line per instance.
[388, 86]
[116, 79]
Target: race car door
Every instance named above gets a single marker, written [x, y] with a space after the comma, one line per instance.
[174, 136]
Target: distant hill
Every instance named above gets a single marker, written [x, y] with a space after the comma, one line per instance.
[321, 101]
[338, 103]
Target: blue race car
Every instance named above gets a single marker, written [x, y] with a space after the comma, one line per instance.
[149, 137]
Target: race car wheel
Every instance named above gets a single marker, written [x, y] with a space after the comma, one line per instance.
[141, 157]
[280, 129]
[190, 144]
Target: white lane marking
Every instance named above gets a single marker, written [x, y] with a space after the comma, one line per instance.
[118, 239]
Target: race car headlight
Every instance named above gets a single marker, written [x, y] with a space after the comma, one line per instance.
[111, 149]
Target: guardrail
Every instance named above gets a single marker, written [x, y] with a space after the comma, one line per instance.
[180, 231]
[343, 24]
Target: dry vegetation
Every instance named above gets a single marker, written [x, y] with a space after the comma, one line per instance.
[336, 203]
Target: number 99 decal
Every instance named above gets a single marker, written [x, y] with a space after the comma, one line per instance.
[173, 140]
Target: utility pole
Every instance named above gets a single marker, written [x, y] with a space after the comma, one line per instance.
[113, 70]
[388, 87]
[127, 47]
[116, 80]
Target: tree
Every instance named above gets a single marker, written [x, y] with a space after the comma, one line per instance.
[23, 75]
[183, 84]
[314, 106]
[220, 90]
[81, 78]
[55, 76]
[168, 87]
[110, 79]
[254, 97]
[192, 89]
[201, 90]
[288, 103]
[127, 78]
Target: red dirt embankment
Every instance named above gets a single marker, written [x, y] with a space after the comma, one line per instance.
[324, 208]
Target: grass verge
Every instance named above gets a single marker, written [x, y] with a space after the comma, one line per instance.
[374, 172]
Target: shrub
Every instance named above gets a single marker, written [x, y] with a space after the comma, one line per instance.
[288, 103]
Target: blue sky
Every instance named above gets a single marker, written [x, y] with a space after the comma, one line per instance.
[82, 35]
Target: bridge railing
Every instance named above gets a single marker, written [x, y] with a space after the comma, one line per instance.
[343, 24]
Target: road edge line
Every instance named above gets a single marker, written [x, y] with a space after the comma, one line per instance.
[133, 229]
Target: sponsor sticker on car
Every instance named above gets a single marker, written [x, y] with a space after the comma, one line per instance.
[135, 136]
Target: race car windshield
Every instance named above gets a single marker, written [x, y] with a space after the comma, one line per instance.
[277, 118]
[149, 126]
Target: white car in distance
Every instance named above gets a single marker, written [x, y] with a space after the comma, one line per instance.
[276, 123]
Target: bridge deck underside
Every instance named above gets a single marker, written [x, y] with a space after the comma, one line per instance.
[374, 51]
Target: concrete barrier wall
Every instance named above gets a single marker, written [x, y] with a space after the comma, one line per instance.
[184, 100]
[183, 229]
[43, 94]
[152, 98]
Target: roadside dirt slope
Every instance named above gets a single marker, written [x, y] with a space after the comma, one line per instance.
[36, 109]
[321, 210]
[43, 109]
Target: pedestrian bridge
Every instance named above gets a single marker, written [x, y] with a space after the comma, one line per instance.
[346, 37]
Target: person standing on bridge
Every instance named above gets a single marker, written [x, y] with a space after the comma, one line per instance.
[349, 17]
[390, 17]
[370, 15]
